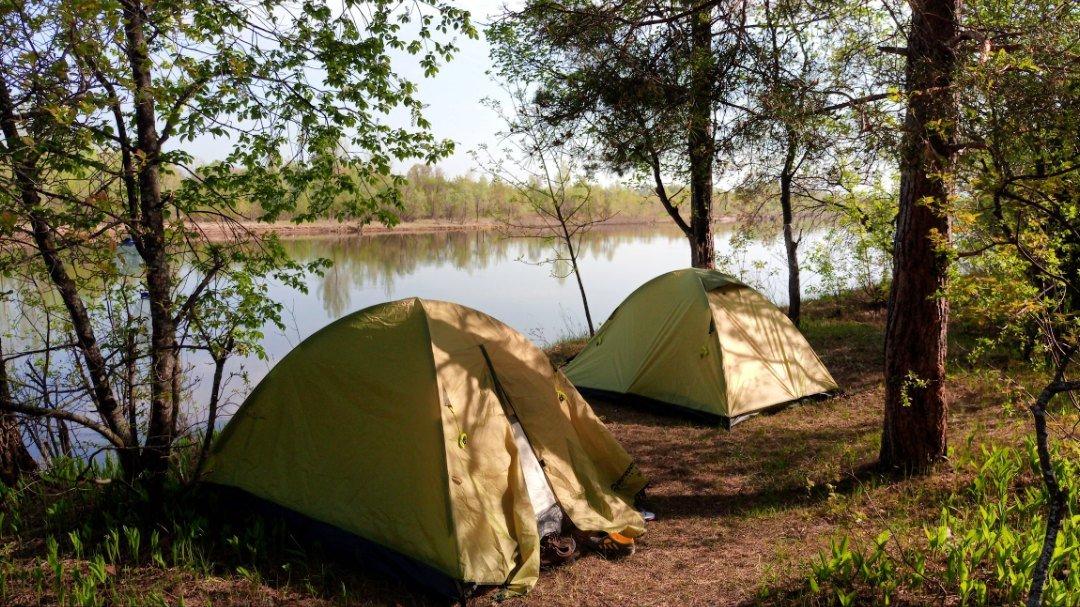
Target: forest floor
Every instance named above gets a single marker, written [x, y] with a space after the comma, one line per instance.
[741, 513]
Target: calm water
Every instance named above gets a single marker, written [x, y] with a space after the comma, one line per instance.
[506, 277]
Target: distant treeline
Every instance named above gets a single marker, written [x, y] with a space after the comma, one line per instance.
[430, 194]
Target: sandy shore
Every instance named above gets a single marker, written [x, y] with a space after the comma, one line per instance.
[220, 231]
[240, 230]
[288, 229]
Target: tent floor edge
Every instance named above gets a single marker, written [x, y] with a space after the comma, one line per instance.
[349, 547]
[671, 410]
[656, 406]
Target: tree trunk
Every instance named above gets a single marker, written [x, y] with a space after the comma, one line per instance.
[577, 274]
[24, 168]
[1057, 497]
[151, 244]
[787, 174]
[15, 459]
[790, 244]
[914, 433]
[701, 147]
[215, 398]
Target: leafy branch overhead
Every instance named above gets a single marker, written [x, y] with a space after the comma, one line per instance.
[102, 100]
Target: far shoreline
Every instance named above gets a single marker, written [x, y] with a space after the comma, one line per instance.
[231, 231]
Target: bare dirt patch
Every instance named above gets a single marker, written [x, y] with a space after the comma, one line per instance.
[742, 512]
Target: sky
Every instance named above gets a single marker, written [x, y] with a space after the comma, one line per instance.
[453, 98]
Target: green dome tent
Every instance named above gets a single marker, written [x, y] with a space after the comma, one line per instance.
[703, 341]
[435, 436]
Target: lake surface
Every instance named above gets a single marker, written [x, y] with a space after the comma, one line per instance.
[507, 277]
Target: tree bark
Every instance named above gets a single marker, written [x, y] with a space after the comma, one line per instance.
[914, 433]
[791, 245]
[787, 175]
[15, 459]
[212, 410]
[151, 244]
[661, 193]
[701, 146]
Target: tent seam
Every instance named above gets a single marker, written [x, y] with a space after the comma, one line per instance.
[442, 433]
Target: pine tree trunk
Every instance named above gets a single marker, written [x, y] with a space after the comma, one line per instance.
[914, 434]
[701, 146]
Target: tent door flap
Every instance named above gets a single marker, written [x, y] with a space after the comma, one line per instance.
[549, 515]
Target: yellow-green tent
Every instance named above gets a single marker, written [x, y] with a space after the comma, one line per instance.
[433, 432]
[704, 341]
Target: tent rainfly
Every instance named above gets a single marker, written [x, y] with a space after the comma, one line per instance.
[432, 437]
[703, 341]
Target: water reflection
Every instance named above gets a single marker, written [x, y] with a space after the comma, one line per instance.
[377, 262]
[500, 275]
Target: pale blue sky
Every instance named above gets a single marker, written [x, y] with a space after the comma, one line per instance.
[452, 97]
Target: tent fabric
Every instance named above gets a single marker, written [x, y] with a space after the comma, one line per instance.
[395, 424]
[704, 341]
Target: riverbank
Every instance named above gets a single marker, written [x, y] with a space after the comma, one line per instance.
[236, 230]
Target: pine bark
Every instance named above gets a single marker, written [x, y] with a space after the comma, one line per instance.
[701, 146]
[915, 427]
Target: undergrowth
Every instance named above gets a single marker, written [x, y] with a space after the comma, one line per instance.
[981, 550]
[78, 535]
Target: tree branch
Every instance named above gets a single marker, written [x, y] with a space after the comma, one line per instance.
[82, 420]
[1057, 496]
